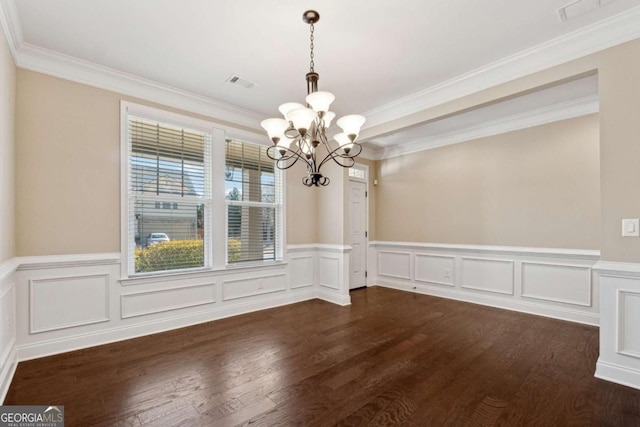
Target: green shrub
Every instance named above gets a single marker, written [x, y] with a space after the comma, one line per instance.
[170, 255]
[233, 250]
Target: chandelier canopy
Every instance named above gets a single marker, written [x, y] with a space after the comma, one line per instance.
[302, 132]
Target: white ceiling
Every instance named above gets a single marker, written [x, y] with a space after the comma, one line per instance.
[370, 54]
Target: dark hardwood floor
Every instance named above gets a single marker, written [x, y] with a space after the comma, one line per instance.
[391, 358]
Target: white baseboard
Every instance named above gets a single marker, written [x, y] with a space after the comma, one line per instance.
[618, 374]
[513, 305]
[8, 370]
[333, 297]
[106, 336]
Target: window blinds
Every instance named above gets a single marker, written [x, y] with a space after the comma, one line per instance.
[169, 195]
[254, 203]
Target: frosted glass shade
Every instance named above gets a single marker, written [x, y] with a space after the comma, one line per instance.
[328, 117]
[320, 101]
[275, 127]
[351, 124]
[284, 142]
[301, 118]
[342, 139]
[285, 108]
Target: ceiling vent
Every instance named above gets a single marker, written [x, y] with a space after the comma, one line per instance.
[580, 7]
[239, 81]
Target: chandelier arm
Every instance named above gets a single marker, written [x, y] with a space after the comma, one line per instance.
[283, 160]
[334, 155]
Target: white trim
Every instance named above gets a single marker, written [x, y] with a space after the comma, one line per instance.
[10, 22]
[171, 308]
[333, 297]
[261, 292]
[593, 38]
[32, 308]
[62, 261]
[562, 111]
[510, 262]
[618, 268]
[585, 41]
[318, 247]
[35, 58]
[8, 267]
[105, 336]
[524, 294]
[515, 250]
[621, 324]
[618, 374]
[497, 301]
[7, 372]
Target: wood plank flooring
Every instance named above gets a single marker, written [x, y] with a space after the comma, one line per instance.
[391, 358]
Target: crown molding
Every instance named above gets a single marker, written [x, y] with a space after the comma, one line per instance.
[46, 61]
[554, 113]
[56, 64]
[10, 22]
[601, 35]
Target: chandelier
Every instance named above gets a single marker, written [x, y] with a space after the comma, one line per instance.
[301, 135]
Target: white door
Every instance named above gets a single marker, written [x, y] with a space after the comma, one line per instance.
[357, 233]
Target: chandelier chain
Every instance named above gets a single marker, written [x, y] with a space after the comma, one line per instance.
[311, 63]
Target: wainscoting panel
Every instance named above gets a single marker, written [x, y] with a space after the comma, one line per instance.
[329, 272]
[438, 269]
[394, 264]
[549, 282]
[301, 271]
[161, 300]
[619, 359]
[629, 323]
[8, 354]
[243, 288]
[66, 302]
[489, 275]
[565, 283]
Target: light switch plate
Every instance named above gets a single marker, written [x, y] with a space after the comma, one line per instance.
[631, 227]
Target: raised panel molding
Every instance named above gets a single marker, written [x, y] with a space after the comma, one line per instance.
[394, 264]
[628, 322]
[301, 271]
[556, 282]
[252, 286]
[160, 300]
[488, 275]
[430, 268]
[329, 272]
[67, 302]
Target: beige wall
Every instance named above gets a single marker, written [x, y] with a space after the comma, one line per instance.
[68, 169]
[331, 204]
[618, 69]
[301, 207]
[535, 187]
[7, 151]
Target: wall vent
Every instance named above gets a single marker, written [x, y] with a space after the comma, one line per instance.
[237, 80]
[580, 7]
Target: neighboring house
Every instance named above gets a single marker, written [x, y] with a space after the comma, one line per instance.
[178, 220]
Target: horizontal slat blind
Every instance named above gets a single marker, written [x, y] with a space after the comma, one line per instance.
[169, 194]
[253, 192]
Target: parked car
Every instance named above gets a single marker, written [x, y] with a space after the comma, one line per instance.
[155, 238]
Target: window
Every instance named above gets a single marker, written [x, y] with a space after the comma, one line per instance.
[253, 194]
[169, 196]
[195, 195]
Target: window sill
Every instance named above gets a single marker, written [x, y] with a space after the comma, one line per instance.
[199, 272]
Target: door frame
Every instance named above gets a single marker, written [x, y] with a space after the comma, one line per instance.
[365, 180]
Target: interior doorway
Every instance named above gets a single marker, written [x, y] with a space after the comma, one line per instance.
[358, 225]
